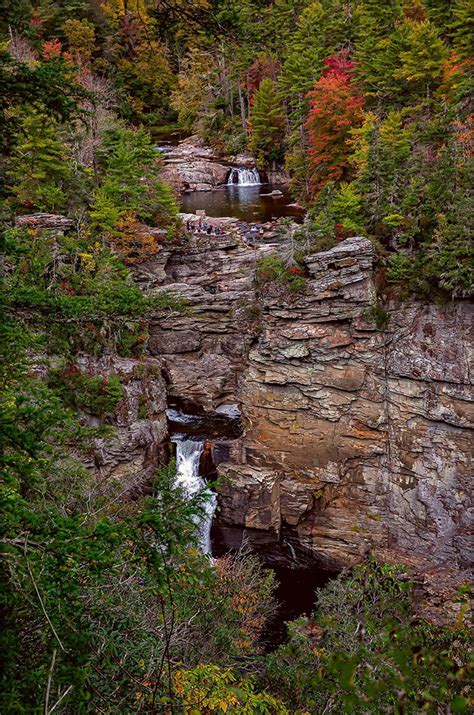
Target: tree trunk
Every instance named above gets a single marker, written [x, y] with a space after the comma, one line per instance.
[242, 104]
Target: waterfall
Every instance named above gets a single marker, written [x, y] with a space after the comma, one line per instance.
[243, 177]
[188, 454]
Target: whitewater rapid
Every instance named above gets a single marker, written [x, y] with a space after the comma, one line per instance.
[188, 455]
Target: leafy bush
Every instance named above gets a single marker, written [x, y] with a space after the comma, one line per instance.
[211, 689]
[363, 651]
[377, 314]
[272, 269]
[95, 394]
[131, 189]
[82, 294]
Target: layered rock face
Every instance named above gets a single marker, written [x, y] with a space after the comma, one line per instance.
[131, 456]
[193, 167]
[356, 439]
[204, 350]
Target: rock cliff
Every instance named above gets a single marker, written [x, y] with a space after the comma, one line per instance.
[193, 167]
[356, 438]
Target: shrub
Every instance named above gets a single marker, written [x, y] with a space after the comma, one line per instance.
[364, 651]
[378, 315]
[272, 269]
[96, 394]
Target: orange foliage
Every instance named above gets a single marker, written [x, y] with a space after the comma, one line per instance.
[464, 135]
[455, 69]
[262, 67]
[336, 106]
[133, 240]
[53, 49]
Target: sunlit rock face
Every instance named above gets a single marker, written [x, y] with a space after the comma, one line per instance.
[193, 167]
[356, 439]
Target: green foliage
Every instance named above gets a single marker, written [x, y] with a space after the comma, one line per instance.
[35, 422]
[336, 215]
[308, 46]
[272, 269]
[377, 43]
[377, 314]
[95, 394]
[400, 268]
[81, 295]
[461, 27]
[421, 62]
[211, 689]
[268, 124]
[364, 651]
[48, 87]
[449, 259]
[131, 182]
[39, 168]
[107, 605]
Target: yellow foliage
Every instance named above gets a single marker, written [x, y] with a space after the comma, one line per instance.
[212, 690]
[132, 240]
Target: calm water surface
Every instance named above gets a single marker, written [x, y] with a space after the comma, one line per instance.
[244, 202]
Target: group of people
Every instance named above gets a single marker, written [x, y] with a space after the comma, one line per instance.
[203, 226]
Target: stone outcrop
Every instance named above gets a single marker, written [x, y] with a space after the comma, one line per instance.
[356, 438]
[45, 222]
[204, 350]
[132, 454]
[193, 167]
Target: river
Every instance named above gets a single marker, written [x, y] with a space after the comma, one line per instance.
[247, 203]
[244, 197]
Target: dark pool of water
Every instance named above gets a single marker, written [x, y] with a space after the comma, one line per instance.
[243, 202]
[296, 595]
[166, 140]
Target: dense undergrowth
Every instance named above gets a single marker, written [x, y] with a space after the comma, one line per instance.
[107, 605]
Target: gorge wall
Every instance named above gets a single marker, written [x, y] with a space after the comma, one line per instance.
[355, 438]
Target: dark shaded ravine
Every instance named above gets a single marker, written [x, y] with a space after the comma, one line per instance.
[296, 586]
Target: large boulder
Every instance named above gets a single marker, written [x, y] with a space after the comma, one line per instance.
[192, 167]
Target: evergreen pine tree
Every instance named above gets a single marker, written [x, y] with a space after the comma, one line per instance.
[304, 61]
[421, 63]
[268, 124]
[440, 13]
[376, 36]
[38, 169]
[462, 28]
[131, 186]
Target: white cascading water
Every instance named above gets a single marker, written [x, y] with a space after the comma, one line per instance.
[243, 177]
[188, 455]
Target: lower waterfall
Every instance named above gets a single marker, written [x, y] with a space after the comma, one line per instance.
[188, 454]
[243, 177]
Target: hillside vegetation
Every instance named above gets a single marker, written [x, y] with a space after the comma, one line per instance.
[107, 604]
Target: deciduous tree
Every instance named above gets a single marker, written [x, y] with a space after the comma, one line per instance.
[336, 107]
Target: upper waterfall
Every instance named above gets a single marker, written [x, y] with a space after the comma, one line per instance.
[240, 176]
[188, 454]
